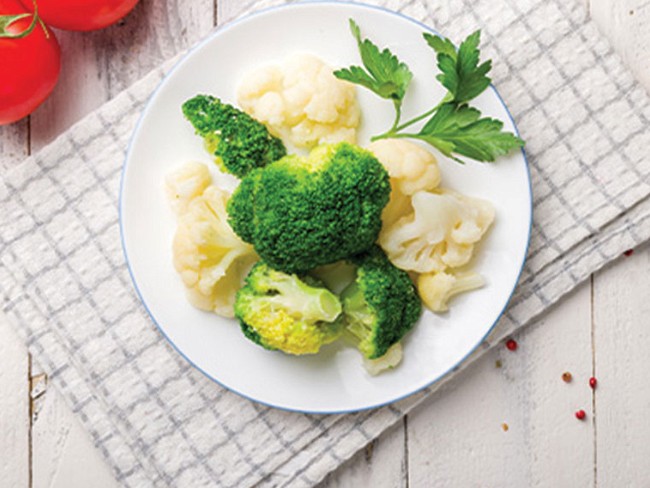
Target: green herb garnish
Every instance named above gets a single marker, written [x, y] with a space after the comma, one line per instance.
[386, 75]
[453, 127]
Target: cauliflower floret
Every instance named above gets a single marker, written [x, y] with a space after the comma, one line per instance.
[211, 260]
[439, 233]
[302, 101]
[411, 169]
[437, 288]
[185, 184]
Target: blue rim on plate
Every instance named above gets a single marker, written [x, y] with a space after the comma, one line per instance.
[212, 35]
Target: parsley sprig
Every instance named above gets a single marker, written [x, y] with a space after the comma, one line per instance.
[385, 75]
[453, 127]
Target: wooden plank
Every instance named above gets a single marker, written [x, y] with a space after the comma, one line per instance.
[625, 23]
[14, 359]
[62, 450]
[97, 66]
[14, 144]
[227, 10]
[14, 409]
[622, 398]
[382, 463]
[621, 306]
[457, 438]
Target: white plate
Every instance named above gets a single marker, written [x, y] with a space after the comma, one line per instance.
[334, 380]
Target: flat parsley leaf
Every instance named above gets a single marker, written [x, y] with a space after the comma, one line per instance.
[460, 72]
[453, 127]
[385, 74]
[460, 129]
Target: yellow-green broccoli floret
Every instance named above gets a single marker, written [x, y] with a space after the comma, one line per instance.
[303, 212]
[238, 142]
[282, 311]
[381, 305]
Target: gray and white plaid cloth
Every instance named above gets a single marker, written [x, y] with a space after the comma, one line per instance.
[65, 287]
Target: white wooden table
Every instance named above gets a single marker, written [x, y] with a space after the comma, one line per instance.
[458, 438]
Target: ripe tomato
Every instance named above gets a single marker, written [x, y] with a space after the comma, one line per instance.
[30, 65]
[81, 15]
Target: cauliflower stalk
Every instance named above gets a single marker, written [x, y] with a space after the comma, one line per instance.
[302, 102]
[211, 260]
[427, 230]
[437, 288]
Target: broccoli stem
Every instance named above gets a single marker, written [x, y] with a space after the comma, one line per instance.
[359, 317]
[310, 303]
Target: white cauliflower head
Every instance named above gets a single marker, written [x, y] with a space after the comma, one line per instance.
[210, 258]
[439, 233]
[437, 288]
[302, 101]
[411, 169]
[186, 183]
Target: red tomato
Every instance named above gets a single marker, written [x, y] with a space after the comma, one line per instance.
[29, 65]
[81, 15]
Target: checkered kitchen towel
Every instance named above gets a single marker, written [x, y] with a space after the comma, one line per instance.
[65, 287]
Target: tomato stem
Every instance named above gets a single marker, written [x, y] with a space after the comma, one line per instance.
[7, 20]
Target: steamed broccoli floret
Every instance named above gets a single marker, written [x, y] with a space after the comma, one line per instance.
[381, 305]
[281, 311]
[303, 212]
[238, 141]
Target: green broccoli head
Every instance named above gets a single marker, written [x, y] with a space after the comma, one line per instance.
[304, 212]
[381, 305]
[238, 141]
[282, 311]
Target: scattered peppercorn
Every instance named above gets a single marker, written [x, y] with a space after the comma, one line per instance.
[511, 344]
[628, 253]
[593, 382]
[505, 427]
[580, 414]
[498, 363]
[567, 377]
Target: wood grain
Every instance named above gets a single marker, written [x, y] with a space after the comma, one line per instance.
[14, 409]
[97, 66]
[60, 445]
[626, 24]
[382, 463]
[14, 144]
[457, 438]
[14, 359]
[622, 398]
